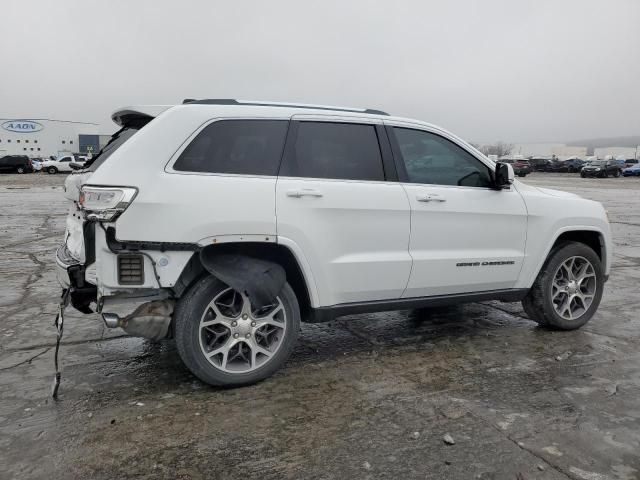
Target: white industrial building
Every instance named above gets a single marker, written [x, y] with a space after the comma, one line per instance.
[560, 150]
[617, 152]
[41, 137]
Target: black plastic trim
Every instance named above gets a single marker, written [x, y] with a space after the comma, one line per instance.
[117, 246]
[232, 101]
[89, 234]
[390, 170]
[325, 314]
[81, 292]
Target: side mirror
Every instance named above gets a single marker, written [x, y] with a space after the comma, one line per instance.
[503, 176]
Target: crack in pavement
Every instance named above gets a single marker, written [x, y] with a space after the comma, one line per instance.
[72, 342]
[523, 447]
[28, 360]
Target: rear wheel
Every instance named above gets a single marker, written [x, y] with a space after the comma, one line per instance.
[52, 170]
[568, 289]
[225, 341]
[582, 175]
[20, 169]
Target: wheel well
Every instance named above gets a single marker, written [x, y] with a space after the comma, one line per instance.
[590, 238]
[265, 251]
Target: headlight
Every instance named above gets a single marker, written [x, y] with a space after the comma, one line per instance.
[105, 204]
[598, 169]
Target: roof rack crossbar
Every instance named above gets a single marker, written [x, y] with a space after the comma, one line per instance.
[232, 101]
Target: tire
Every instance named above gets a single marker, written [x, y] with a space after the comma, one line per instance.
[539, 303]
[20, 170]
[52, 170]
[582, 175]
[189, 335]
[617, 173]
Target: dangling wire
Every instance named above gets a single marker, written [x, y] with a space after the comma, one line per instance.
[59, 324]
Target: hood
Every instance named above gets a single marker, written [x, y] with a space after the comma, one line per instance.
[557, 193]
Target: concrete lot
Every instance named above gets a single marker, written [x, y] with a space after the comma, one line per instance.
[368, 396]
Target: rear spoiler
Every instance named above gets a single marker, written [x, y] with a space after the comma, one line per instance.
[127, 116]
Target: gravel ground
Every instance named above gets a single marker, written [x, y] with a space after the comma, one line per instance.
[475, 391]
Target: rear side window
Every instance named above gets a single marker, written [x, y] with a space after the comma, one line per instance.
[344, 151]
[116, 141]
[246, 147]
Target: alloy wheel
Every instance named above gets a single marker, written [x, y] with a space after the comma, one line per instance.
[235, 337]
[573, 288]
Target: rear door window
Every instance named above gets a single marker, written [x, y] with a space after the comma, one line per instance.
[344, 151]
[244, 147]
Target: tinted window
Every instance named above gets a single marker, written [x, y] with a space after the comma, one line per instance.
[431, 159]
[335, 150]
[249, 147]
[116, 141]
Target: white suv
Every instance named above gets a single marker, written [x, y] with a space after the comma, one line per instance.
[224, 224]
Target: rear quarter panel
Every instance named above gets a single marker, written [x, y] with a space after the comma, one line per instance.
[184, 207]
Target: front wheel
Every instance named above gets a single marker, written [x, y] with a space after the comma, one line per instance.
[568, 289]
[52, 170]
[225, 341]
[582, 175]
[617, 173]
[20, 170]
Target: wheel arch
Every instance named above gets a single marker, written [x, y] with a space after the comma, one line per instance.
[593, 237]
[268, 251]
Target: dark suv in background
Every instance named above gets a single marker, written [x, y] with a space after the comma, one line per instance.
[15, 163]
[601, 168]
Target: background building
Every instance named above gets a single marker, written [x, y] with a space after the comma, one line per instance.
[617, 152]
[40, 137]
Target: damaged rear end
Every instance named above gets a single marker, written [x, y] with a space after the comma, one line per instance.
[131, 295]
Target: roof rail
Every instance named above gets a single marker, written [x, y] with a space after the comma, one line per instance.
[232, 101]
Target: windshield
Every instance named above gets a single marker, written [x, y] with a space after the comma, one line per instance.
[598, 163]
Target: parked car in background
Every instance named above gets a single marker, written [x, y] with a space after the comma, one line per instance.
[538, 164]
[37, 164]
[571, 166]
[601, 168]
[574, 165]
[631, 161]
[63, 164]
[632, 171]
[16, 163]
[520, 167]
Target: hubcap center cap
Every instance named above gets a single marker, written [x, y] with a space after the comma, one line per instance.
[243, 327]
[572, 287]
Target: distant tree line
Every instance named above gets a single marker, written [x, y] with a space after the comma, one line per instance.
[499, 148]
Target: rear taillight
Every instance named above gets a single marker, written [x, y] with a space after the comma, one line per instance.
[105, 204]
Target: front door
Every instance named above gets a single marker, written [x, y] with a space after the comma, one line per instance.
[335, 205]
[465, 236]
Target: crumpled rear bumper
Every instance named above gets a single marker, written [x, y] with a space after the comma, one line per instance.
[71, 275]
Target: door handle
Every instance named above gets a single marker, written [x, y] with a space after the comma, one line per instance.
[304, 192]
[431, 197]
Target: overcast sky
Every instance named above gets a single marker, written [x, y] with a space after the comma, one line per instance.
[519, 71]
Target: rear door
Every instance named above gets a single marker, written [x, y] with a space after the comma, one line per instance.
[5, 163]
[465, 236]
[339, 206]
